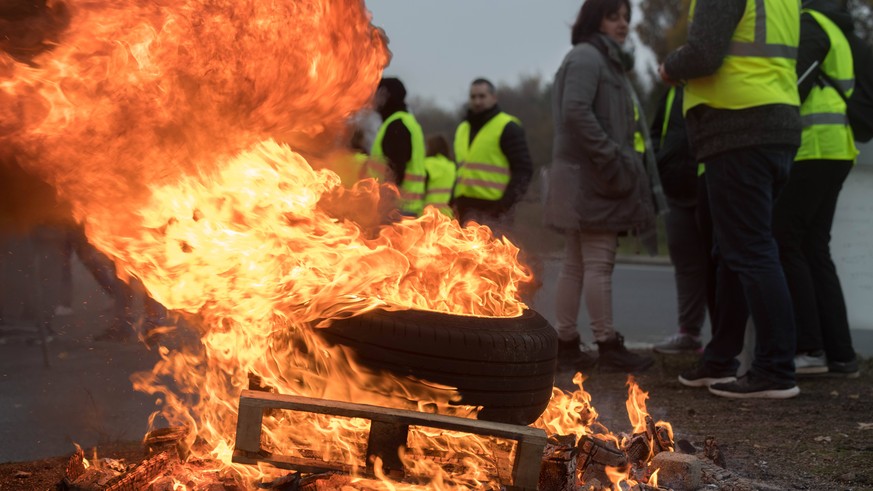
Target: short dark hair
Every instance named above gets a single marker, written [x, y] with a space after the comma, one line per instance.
[437, 145]
[591, 15]
[484, 81]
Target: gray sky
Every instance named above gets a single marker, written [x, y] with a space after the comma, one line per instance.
[440, 46]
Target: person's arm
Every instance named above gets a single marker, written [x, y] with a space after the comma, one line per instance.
[513, 143]
[814, 47]
[709, 40]
[397, 147]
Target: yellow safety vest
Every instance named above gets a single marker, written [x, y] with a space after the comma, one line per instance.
[826, 131]
[412, 189]
[441, 173]
[483, 169]
[759, 68]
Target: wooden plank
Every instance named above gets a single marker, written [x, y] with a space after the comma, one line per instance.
[291, 463]
[248, 427]
[390, 415]
[526, 468]
[385, 441]
[388, 432]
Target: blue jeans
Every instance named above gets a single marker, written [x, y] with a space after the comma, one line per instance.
[742, 187]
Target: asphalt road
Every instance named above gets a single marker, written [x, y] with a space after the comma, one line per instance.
[644, 303]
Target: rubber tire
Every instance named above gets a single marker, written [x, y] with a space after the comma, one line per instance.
[506, 365]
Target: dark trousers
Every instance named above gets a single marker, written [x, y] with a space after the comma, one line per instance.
[703, 217]
[802, 225]
[742, 186]
[689, 244]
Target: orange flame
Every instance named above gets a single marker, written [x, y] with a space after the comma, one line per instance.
[636, 405]
[169, 127]
[569, 413]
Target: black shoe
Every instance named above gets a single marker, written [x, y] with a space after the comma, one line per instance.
[847, 369]
[750, 386]
[704, 376]
[572, 358]
[615, 356]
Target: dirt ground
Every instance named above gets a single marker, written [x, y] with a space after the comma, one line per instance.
[820, 440]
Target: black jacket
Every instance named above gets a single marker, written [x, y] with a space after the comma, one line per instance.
[676, 165]
[397, 143]
[513, 144]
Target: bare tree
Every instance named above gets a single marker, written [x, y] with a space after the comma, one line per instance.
[664, 25]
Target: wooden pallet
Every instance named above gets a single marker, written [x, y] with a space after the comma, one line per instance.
[388, 432]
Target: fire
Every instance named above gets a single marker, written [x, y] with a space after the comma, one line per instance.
[636, 405]
[194, 139]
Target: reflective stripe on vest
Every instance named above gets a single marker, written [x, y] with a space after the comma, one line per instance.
[412, 189]
[376, 168]
[441, 173]
[639, 141]
[759, 68]
[826, 131]
[483, 169]
[668, 109]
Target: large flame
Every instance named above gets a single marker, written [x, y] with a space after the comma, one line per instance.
[168, 126]
[193, 139]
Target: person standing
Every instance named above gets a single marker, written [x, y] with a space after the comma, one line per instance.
[689, 229]
[441, 175]
[805, 210]
[742, 114]
[400, 144]
[598, 186]
[494, 164]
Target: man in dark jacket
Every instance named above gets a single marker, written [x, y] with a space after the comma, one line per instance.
[494, 163]
[742, 113]
[399, 144]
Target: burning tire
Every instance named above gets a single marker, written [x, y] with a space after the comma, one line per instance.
[506, 365]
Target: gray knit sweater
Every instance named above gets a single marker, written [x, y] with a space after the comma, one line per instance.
[713, 131]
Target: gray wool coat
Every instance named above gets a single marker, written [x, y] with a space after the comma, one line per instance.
[597, 181]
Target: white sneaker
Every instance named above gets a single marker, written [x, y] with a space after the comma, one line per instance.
[810, 363]
[679, 343]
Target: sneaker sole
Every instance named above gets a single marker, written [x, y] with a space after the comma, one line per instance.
[764, 394]
[811, 370]
[705, 382]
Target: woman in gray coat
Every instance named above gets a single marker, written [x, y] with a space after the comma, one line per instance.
[598, 186]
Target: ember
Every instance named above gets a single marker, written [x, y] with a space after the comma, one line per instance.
[194, 140]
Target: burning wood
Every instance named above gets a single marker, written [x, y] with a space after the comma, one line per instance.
[387, 440]
[115, 476]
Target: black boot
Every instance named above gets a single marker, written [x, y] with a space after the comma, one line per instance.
[572, 358]
[614, 356]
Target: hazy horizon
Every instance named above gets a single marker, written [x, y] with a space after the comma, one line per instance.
[438, 48]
